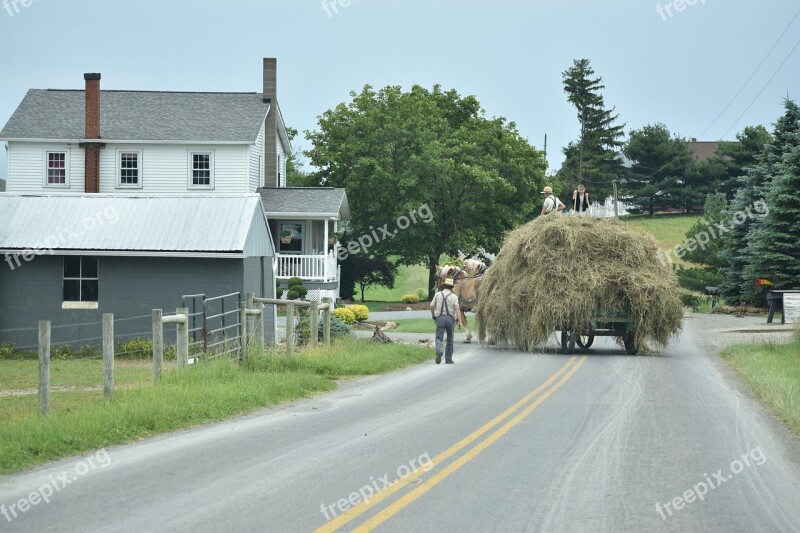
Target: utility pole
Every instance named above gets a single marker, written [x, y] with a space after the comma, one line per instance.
[545, 149]
[616, 208]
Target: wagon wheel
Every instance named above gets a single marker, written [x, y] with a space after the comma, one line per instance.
[568, 341]
[585, 341]
[630, 343]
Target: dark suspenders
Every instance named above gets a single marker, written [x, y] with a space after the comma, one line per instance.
[444, 306]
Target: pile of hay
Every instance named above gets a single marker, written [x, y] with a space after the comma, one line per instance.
[552, 272]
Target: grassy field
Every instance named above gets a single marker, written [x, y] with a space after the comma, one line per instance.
[82, 420]
[668, 230]
[772, 372]
[409, 280]
[425, 325]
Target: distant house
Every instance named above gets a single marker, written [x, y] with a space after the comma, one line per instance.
[704, 149]
[68, 258]
[143, 145]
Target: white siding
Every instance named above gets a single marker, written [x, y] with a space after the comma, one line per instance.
[26, 167]
[282, 166]
[165, 169]
[256, 162]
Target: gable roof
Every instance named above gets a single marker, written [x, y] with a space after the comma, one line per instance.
[140, 116]
[305, 202]
[703, 149]
[174, 226]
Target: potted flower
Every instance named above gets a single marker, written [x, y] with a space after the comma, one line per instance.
[286, 237]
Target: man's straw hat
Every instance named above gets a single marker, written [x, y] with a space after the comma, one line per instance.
[448, 282]
[547, 190]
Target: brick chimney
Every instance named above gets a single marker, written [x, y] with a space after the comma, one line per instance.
[271, 123]
[92, 131]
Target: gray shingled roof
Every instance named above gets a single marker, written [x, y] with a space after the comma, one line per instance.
[140, 116]
[328, 202]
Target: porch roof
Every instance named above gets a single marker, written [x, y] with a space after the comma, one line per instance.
[305, 202]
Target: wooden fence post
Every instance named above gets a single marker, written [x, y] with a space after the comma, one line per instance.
[259, 328]
[243, 331]
[313, 325]
[326, 319]
[44, 366]
[251, 319]
[158, 343]
[182, 342]
[289, 328]
[108, 355]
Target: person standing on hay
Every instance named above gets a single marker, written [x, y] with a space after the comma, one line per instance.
[444, 310]
[551, 203]
[580, 202]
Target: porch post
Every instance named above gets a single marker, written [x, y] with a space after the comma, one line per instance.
[325, 246]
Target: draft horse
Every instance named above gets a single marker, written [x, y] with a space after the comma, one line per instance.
[466, 284]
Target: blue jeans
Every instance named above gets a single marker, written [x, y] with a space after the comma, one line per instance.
[445, 323]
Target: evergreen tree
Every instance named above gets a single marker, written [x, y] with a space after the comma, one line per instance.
[658, 174]
[594, 158]
[741, 154]
[773, 251]
[737, 247]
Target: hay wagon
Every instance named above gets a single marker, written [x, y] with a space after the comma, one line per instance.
[605, 323]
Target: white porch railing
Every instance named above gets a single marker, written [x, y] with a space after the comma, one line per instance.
[308, 267]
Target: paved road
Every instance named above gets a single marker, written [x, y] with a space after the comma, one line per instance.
[500, 441]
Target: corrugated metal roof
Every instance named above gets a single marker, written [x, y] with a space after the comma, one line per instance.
[134, 225]
[314, 201]
[140, 116]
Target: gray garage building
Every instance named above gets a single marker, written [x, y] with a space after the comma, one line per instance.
[70, 258]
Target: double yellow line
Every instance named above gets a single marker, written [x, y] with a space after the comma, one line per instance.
[564, 373]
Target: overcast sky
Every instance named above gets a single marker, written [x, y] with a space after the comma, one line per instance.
[676, 66]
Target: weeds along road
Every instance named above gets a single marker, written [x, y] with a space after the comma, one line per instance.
[500, 441]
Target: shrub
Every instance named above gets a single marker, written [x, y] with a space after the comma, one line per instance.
[421, 294]
[345, 314]
[692, 300]
[697, 279]
[299, 289]
[7, 350]
[292, 295]
[410, 299]
[294, 281]
[62, 352]
[361, 312]
[139, 348]
[338, 329]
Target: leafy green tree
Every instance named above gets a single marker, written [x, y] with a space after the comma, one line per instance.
[738, 248]
[660, 161]
[434, 154]
[705, 233]
[365, 271]
[594, 158]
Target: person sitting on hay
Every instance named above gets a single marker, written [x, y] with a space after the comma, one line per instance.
[551, 203]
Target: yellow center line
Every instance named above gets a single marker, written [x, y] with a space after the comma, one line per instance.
[409, 497]
[364, 506]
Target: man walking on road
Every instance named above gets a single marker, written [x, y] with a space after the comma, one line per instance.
[444, 309]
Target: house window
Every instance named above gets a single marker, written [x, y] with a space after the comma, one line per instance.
[290, 237]
[130, 169]
[81, 279]
[202, 170]
[56, 169]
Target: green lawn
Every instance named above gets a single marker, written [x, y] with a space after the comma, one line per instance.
[425, 325]
[772, 372]
[668, 230]
[80, 421]
[409, 280]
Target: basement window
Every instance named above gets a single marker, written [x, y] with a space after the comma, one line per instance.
[81, 283]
